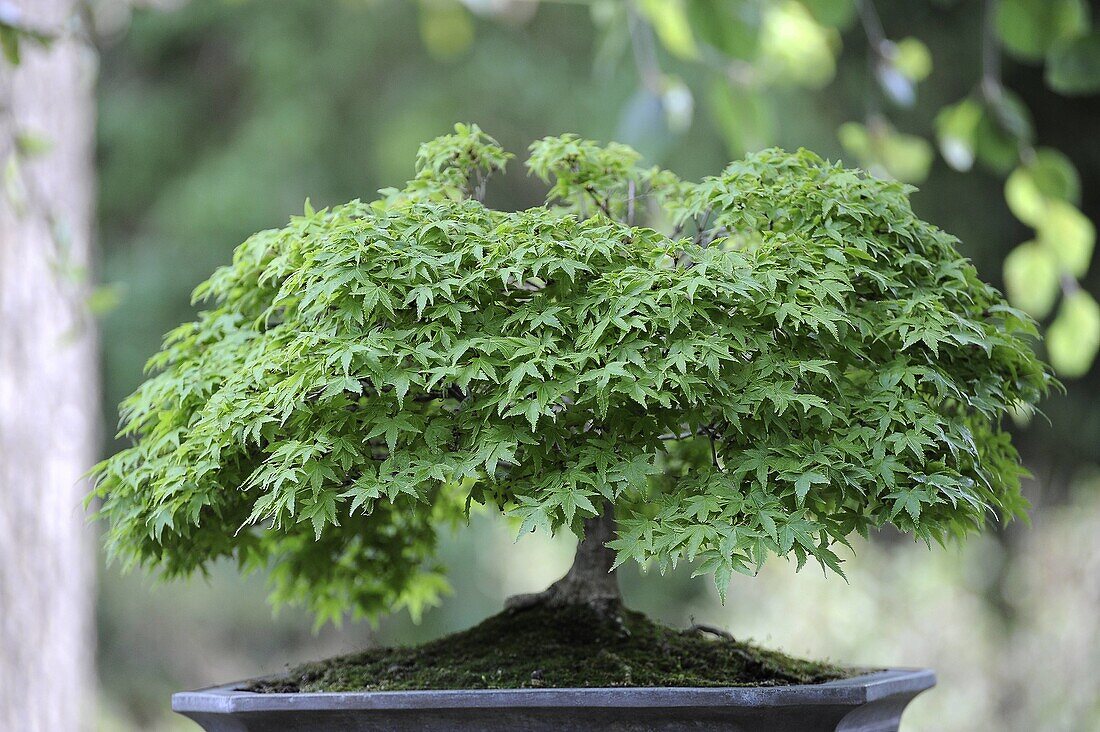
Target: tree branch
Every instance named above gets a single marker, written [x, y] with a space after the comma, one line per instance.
[601, 202]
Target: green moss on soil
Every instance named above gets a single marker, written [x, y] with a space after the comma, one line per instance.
[558, 647]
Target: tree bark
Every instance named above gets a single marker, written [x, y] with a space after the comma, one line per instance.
[48, 380]
[591, 579]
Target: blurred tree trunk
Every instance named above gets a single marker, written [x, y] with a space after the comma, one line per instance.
[48, 379]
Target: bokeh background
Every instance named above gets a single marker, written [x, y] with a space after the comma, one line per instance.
[217, 118]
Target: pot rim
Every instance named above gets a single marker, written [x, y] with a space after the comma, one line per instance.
[861, 689]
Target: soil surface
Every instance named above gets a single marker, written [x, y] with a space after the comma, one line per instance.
[547, 647]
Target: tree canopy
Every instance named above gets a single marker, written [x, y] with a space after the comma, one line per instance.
[784, 355]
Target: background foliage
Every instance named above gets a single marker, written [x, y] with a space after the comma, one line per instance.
[217, 119]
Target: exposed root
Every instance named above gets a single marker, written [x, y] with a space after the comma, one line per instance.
[609, 610]
[712, 630]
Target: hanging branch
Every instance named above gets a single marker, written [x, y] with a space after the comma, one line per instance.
[876, 43]
[644, 49]
[991, 85]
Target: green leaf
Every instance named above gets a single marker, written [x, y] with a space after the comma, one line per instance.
[956, 132]
[795, 48]
[13, 32]
[721, 566]
[910, 502]
[400, 382]
[1073, 66]
[1024, 198]
[632, 544]
[635, 473]
[1004, 127]
[532, 411]
[886, 153]
[1074, 336]
[9, 43]
[105, 298]
[670, 21]
[907, 157]
[912, 58]
[1032, 278]
[1070, 235]
[1055, 175]
[1048, 176]
[745, 117]
[534, 518]
[835, 13]
[320, 511]
[802, 485]
[32, 145]
[1030, 28]
[829, 559]
[445, 28]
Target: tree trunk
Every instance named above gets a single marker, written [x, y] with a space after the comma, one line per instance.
[591, 580]
[48, 379]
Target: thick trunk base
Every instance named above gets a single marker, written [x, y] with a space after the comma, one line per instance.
[591, 581]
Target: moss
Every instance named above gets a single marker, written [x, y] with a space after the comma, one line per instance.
[558, 647]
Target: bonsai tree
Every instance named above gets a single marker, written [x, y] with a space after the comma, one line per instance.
[783, 356]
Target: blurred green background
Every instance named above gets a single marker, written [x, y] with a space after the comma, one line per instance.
[218, 118]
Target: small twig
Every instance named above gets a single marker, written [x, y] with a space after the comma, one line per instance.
[630, 202]
[645, 52]
[701, 225]
[716, 234]
[701, 432]
[991, 85]
[479, 190]
[872, 25]
[876, 41]
[710, 433]
[1069, 284]
[602, 203]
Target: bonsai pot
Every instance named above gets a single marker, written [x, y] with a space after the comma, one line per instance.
[871, 702]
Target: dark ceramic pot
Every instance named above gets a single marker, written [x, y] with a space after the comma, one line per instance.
[869, 703]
